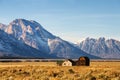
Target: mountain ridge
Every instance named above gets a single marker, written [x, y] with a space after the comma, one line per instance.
[11, 47]
[104, 48]
[34, 35]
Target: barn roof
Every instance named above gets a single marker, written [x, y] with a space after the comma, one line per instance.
[71, 60]
[84, 57]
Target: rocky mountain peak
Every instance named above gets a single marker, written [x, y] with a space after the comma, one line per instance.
[32, 34]
[105, 48]
[101, 39]
[3, 26]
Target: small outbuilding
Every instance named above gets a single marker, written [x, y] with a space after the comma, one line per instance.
[83, 61]
[68, 62]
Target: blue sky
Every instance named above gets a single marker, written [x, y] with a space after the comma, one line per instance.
[72, 20]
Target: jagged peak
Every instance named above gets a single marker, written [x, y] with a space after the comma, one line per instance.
[89, 39]
[21, 19]
[17, 20]
[2, 24]
[20, 27]
[26, 23]
[102, 38]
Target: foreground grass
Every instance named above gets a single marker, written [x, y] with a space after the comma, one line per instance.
[49, 71]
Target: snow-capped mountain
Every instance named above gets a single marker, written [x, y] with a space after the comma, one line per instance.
[2, 26]
[30, 32]
[11, 48]
[105, 48]
[34, 35]
[63, 48]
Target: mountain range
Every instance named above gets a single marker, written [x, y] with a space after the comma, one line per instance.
[28, 39]
[104, 48]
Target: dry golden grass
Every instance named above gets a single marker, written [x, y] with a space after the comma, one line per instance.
[13, 64]
[50, 71]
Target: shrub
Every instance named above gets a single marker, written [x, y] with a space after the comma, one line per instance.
[71, 71]
[59, 62]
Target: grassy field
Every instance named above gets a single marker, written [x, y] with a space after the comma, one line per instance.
[50, 71]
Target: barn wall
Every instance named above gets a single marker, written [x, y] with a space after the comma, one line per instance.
[83, 61]
[67, 63]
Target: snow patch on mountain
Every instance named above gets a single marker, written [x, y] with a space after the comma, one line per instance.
[3, 26]
[105, 48]
[32, 34]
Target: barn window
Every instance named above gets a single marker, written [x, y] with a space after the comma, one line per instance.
[64, 63]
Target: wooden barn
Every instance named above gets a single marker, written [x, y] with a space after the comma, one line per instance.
[83, 61]
[68, 62]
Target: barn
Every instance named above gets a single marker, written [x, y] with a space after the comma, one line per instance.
[83, 61]
[68, 62]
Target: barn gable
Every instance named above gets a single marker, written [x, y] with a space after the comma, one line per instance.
[68, 62]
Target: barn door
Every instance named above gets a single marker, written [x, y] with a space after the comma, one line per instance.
[82, 61]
